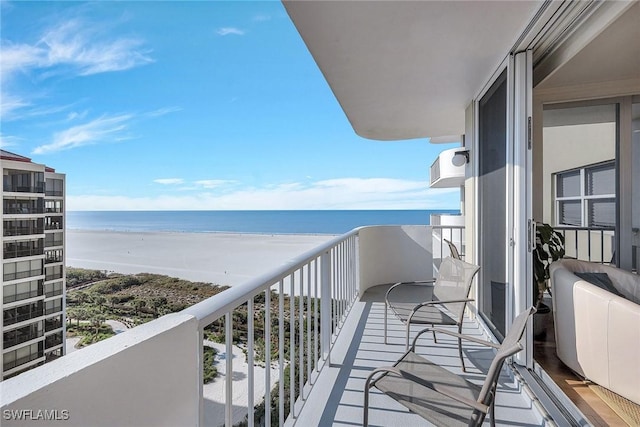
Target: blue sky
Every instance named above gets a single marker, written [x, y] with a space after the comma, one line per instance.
[192, 105]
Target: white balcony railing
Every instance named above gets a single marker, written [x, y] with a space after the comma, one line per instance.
[152, 374]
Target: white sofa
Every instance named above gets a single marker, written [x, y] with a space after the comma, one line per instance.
[598, 332]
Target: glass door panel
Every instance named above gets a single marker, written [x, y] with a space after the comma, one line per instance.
[635, 182]
[492, 194]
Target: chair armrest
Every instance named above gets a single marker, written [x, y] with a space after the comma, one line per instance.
[454, 334]
[416, 379]
[450, 301]
[417, 282]
[429, 303]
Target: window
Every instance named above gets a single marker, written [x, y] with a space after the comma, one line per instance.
[22, 269]
[22, 291]
[54, 187]
[586, 197]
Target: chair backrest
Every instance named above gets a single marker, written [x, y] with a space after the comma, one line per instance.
[452, 248]
[510, 346]
[454, 283]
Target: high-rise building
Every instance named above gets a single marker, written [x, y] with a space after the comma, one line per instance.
[33, 268]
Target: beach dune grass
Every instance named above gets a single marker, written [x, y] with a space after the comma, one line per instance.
[139, 298]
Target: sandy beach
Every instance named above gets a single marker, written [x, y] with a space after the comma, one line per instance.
[219, 258]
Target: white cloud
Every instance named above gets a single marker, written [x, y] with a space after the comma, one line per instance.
[7, 141]
[78, 44]
[103, 129]
[10, 103]
[74, 47]
[343, 193]
[19, 56]
[74, 115]
[225, 31]
[262, 18]
[163, 111]
[169, 181]
[212, 183]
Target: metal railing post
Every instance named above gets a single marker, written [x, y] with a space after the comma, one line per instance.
[325, 305]
[229, 370]
[200, 359]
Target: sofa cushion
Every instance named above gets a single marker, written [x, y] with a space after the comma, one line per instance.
[600, 280]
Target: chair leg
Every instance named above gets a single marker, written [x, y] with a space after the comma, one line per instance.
[365, 414]
[407, 337]
[464, 369]
[492, 409]
[385, 323]
[434, 336]
[493, 416]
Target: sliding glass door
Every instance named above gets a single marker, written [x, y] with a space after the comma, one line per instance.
[492, 196]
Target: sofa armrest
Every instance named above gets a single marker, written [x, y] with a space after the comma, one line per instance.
[592, 307]
[624, 348]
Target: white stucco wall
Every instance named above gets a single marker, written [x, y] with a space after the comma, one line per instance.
[147, 376]
[391, 254]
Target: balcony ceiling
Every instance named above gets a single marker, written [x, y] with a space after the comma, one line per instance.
[613, 55]
[408, 69]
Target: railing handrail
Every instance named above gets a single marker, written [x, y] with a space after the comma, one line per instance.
[581, 228]
[215, 307]
[447, 227]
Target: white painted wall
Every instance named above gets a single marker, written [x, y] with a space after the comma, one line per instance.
[573, 138]
[391, 254]
[147, 376]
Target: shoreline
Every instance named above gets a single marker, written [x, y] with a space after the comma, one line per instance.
[113, 230]
[220, 258]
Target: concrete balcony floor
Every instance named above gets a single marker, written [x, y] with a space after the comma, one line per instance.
[337, 396]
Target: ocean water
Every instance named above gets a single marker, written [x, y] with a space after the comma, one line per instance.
[263, 222]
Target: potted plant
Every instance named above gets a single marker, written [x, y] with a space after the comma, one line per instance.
[549, 248]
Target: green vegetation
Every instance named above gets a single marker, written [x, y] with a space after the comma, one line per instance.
[136, 299]
[91, 332]
[79, 276]
[132, 300]
[209, 369]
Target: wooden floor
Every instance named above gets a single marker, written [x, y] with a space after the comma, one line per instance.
[594, 408]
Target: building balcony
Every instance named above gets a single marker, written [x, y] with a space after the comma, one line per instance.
[25, 210]
[53, 243]
[51, 310]
[12, 317]
[22, 231]
[11, 188]
[9, 298]
[444, 173]
[447, 227]
[53, 323]
[19, 336]
[53, 340]
[337, 325]
[52, 259]
[8, 365]
[7, 277]
[15, 251]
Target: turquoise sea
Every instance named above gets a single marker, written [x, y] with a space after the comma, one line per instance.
[263, 222]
